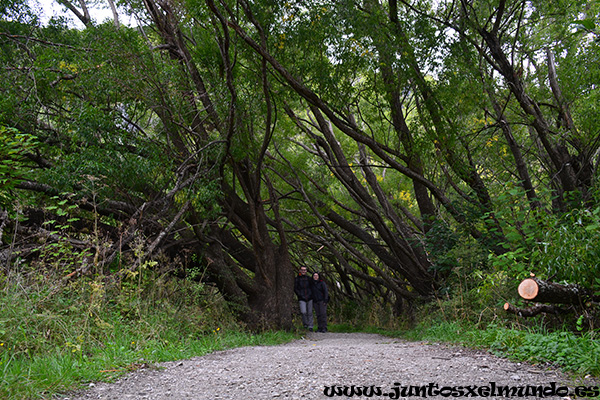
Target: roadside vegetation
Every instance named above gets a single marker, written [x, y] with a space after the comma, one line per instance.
[575, 354]
[565, 342]
[562, 349]
[58, 336]
[468, 309]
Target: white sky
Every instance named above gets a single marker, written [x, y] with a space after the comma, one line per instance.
[100, 13]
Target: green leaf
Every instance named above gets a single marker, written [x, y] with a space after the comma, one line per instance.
[585, 24]
[592, 227]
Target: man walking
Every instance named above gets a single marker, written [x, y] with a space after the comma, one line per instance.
[303, 290]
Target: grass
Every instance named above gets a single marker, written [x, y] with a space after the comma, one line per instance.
[54, 341]
[55, 337]
[42, 375]
[574, 353]
[578, 354]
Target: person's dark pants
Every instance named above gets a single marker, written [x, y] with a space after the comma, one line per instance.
[321, 311]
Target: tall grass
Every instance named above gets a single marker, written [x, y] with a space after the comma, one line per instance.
[57, 335]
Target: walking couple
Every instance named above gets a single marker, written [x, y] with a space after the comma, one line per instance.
[312, 293]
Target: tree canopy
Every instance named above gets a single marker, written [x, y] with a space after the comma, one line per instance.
[400, 147]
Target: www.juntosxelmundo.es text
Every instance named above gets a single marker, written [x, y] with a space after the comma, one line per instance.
[491, 389]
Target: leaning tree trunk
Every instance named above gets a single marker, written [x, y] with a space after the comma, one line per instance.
[558, 154]
[403, 255]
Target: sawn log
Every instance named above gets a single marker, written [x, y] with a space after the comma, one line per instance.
[534, 289]
[534, 310]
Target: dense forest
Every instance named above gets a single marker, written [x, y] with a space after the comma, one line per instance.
[411, 151]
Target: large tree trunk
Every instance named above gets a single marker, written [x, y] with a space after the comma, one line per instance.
[273, 302]
[259, 285]
[270, 293]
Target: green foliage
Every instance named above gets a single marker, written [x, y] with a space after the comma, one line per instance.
[589, 26]
[568, 248]
[16, 10]
[14, 147]
[362, 315]
[580, 354]
[441, 243]
[556, 247]
[54, 338]
[116, 114]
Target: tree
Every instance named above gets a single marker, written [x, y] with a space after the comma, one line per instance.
[376, 140]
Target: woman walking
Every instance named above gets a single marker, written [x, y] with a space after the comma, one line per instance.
[320, 296]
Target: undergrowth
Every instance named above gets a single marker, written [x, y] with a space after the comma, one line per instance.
[574, 353]
[529, 341]
[56, 336]
[472, 315]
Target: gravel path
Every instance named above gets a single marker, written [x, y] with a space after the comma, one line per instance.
[304, 369]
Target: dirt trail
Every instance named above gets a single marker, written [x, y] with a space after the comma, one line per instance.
[304, 369]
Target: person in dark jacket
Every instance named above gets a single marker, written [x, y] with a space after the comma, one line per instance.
[303, 290]
[320, 299]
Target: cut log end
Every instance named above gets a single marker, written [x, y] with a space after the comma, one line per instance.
[528, 289]
[540, 291]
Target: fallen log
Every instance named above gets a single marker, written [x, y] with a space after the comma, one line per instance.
[534, 310]
[534, 289]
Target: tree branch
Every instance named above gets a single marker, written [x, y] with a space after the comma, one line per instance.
[83, 15]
